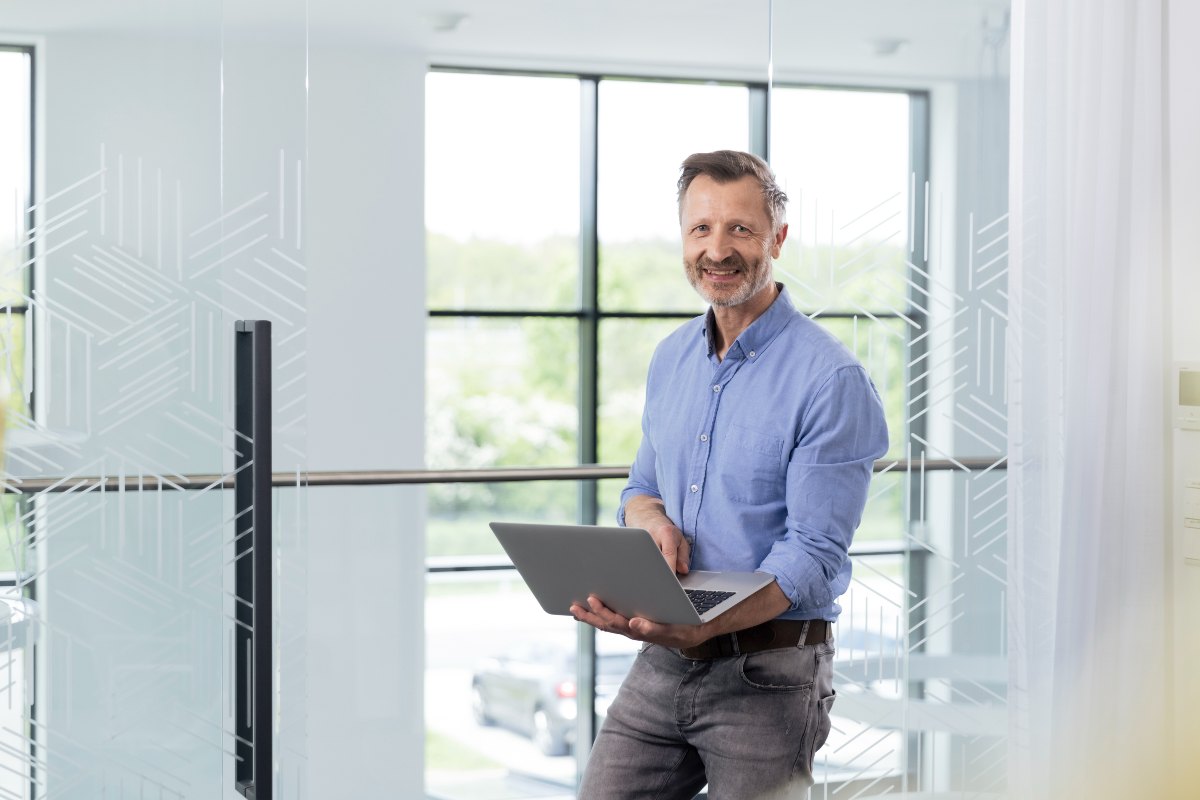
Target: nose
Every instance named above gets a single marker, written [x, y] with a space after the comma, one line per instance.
[720, 245]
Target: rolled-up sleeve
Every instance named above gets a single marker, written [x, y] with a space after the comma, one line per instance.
[642, 476]
[841, 435]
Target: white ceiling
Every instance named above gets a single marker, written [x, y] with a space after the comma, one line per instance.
[938, 38]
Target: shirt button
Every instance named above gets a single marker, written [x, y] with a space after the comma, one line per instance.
[752, 354]
[695, 488]
[704, 437]
[717, 388]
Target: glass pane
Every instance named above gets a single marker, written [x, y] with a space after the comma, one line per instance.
[459, 514]
[843, 159]
[170, 203]
[865, 740]
[884, 516]
[15, 173]
[12, 535]
[626, 346]
[646, 129]
[881, 345]
[502, 191]
[18, 631]
[608, 500]
[501, 713]
[501, 392]
[13, 355]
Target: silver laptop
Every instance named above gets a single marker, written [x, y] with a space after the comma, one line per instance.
[563, 564]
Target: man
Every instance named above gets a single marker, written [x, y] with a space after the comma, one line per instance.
[759, 435]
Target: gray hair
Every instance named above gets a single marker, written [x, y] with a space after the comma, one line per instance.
[726, 166]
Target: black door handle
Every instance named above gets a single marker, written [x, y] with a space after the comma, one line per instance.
[253, 638]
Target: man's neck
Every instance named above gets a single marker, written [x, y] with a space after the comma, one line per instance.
[732, 320]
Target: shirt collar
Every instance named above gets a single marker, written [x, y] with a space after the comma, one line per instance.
[762, 331]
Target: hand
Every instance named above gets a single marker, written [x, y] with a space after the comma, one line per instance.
[601, 617]
[643, 511]
[673, 545]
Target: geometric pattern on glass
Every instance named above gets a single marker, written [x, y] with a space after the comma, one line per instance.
[921, 671]
[140, 280]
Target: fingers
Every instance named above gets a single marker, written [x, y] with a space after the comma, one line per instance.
[683, 555]
[644, 627]
[599, 616]
[674, 547]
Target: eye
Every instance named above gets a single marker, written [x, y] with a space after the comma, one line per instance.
[700, 229]
[741, 229]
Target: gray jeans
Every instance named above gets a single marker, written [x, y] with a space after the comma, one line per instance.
[747, 725]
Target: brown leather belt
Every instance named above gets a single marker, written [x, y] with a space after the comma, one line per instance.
[770, 635]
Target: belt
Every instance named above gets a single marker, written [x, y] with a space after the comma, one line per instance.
[770, 635]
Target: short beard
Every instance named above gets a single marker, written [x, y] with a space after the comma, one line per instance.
[758, 277]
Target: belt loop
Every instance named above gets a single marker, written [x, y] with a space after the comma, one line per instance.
[804, 632]
[733, 638]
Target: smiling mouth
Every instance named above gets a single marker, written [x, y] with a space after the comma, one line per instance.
[722, 271]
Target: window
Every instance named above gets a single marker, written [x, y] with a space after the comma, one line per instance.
[17, 245]
[17, 249]
[554, 269]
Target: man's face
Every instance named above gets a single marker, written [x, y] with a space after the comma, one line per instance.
[728, 243]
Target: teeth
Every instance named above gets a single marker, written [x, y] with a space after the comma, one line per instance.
[722, 271]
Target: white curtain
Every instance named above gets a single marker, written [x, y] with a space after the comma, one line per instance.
[1089, 314]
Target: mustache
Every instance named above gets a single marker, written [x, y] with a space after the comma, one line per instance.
[733, 261]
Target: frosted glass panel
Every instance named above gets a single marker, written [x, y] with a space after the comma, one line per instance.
[898, 245]
[167, 203]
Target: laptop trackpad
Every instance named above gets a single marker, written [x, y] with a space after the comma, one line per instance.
[725, 581]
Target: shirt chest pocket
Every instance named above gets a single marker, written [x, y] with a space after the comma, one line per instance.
[751, 466]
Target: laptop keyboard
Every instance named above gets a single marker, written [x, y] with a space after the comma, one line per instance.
[703, 599]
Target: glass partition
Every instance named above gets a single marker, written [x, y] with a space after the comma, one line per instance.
[17, 610]
[152, 170]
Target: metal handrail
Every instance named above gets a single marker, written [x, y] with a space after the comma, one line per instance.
[79, 483]
[460, 565]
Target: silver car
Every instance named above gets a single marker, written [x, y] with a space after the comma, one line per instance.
[532, 690]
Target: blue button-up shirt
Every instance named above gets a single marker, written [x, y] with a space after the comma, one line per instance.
[762, 459]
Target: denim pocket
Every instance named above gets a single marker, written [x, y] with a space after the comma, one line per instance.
[789, 669]
[823, 722]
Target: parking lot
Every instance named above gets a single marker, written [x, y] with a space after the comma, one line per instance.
[466, 622]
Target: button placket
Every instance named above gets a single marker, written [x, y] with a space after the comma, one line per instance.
[695, 485]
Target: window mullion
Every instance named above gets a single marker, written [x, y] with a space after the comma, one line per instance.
[760, 121]
[589, 321]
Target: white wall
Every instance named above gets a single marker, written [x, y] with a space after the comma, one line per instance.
[366, 357]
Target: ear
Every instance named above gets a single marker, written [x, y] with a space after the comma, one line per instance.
[777, 244]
